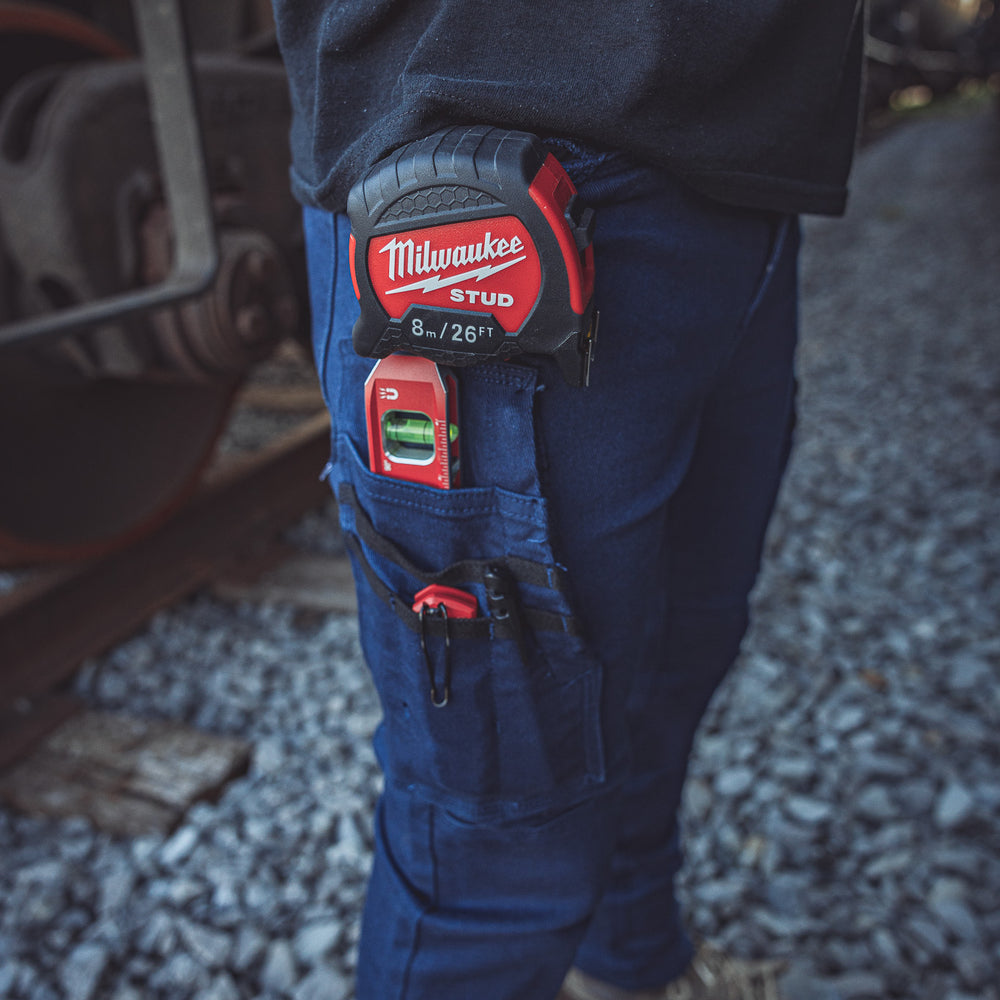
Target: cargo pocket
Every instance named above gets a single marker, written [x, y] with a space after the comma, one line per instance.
[499, 713]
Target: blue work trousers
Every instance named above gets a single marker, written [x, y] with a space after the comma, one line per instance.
[531, 823]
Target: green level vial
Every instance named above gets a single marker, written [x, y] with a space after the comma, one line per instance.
[412, 434]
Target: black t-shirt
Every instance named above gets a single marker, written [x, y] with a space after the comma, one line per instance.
[753, 102]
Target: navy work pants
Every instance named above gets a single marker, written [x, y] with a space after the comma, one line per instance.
[531, 823]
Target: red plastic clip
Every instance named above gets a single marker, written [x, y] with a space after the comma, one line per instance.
[458, 603]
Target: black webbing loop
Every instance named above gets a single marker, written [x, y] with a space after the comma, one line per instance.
[466, 571]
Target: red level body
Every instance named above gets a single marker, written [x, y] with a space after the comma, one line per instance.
[411, 407]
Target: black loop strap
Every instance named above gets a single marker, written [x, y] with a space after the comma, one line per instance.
[459, 628]
[466, 571]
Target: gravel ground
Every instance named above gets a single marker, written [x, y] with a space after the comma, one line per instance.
[844, 807]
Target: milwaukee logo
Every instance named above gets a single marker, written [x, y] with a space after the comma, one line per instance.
[408, 259]
[479, 263]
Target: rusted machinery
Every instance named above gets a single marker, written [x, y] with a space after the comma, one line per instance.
[935, 44]
[145, 264]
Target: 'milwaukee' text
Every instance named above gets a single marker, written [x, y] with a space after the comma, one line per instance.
[407, 258]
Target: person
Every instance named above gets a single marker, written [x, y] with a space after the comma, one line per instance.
[527, 838]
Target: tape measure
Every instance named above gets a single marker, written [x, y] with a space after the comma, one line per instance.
[470, 245]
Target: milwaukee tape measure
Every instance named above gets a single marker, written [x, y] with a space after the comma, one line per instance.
[470, 245]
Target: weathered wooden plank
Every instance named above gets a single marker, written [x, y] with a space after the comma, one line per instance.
[127, 776]
[24, 725]
[314, 582]
[294, 398]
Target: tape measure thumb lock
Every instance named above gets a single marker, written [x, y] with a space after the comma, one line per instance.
[473, 245]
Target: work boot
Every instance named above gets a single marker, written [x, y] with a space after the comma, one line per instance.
[712, 975]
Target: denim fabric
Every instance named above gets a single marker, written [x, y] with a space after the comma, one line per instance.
[532, 822]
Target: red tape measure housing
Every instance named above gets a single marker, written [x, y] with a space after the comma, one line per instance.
[472, 244]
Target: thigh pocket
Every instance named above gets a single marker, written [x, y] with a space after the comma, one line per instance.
[521, 727]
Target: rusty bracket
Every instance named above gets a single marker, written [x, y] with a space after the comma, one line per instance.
[177, 132]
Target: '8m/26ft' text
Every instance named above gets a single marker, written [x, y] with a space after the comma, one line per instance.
[452, 333]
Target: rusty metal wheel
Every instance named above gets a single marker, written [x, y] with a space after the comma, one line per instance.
[92, 465]
[90, 457]
[38, 34]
